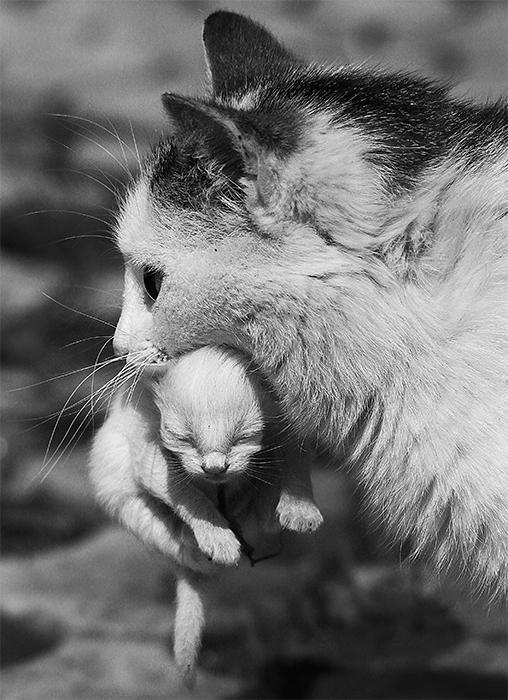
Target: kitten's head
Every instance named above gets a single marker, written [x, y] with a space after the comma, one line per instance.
[212, 413]
[277, 183]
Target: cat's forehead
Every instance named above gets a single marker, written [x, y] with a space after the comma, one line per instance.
[137, 231]
[150, 231]
[191, 172]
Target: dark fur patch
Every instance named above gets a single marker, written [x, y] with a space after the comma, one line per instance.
[228, 38]
[195, 170]
[412, 121]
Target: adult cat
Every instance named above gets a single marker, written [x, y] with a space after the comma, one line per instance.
[348, 230]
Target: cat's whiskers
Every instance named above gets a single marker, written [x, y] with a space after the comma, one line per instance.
[108, 187]
[109, 292]
[86, 340]
[68, 410]
[85, 136]
[68, 211]
[102, 234]
[253, 474]
[138, 156]
[107, 176]
[95, 368]
[92, 392]
[180, 479]
[135, 379]
[77, 311]
[127, 371]
[124, 375]
[252, 483]
[123, 145]
[92, 122]
[60, 376]
[115, 134]
[47, 460]
[138, 361]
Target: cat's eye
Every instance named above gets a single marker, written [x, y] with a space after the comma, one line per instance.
[152, 280]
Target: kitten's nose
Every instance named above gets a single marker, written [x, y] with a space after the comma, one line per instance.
[214, 463]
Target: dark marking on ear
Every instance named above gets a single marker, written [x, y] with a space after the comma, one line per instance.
[241, 53]
[194, 119]
[185, 112]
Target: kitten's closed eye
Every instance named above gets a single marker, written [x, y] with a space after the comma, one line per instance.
[250, 437]
[152, 280]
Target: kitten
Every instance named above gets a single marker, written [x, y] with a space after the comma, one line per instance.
[217, 418]
[169, 447]
[348, 231]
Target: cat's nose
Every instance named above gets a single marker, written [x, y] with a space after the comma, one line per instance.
[120, 341]
[214, 463]
[119, 345]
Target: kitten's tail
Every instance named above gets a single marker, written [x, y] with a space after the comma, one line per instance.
[188, 627]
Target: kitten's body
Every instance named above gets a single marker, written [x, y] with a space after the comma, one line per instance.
[348, 230]
[164, 450]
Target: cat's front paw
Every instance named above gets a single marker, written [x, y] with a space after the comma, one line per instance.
[298, 514]
[219, 544]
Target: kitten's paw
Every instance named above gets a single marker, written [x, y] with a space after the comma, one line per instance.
[219, 544]
[298, 514]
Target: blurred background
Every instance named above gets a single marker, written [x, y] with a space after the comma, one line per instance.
[86, 611]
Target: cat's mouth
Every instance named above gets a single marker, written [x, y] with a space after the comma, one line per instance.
[159, 357]
[151, 361]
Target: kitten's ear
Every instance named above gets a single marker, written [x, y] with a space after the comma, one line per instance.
[241, 53]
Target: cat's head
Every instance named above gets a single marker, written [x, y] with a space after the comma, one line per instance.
[276, 183]
[212, 413]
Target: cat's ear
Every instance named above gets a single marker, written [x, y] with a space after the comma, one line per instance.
[229, 143]
[241, 53]
[187, 114]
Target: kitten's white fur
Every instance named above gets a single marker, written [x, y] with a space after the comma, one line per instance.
[205, 405]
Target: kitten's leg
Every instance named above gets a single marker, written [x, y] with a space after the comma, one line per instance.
[296, 509]
[113, 480]
[211, 530]
[121, 471]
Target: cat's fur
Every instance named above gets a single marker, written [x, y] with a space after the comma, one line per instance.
[348, 230]
[168, 442]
